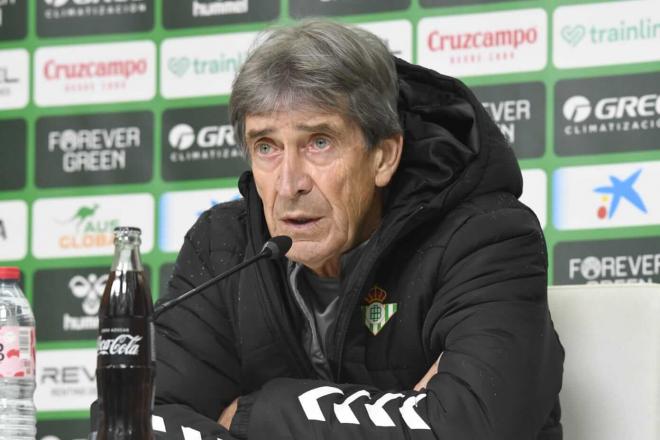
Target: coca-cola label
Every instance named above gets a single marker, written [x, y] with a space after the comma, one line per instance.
[121, 345]
[125, 341]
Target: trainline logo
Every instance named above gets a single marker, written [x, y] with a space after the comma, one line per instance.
[198, 66]
[479, 44]
[606, 33]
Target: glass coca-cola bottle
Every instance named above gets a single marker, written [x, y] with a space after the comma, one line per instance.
[126, 367]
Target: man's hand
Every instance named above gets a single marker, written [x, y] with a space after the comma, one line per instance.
[228, 414]
[429, 374]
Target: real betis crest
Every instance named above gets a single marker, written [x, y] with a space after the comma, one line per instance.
[376, 312]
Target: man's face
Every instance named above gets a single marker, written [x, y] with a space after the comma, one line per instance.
[317, 182]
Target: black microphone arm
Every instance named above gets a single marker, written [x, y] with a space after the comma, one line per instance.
[274, 248]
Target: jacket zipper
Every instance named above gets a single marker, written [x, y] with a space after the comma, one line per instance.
[300, 360]
[346, 313]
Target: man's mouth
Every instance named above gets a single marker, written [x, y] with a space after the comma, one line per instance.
[300, 221]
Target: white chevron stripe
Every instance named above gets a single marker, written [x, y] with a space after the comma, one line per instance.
[310, 404]
[376, 412]
[343, 411]
[158, 423]
[191, 434]
[410, 416]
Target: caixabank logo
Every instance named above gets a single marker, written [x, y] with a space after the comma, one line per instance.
[59, 18]
[68, 429]
[608, 114]
[601, 34]
[13, 19]
[12, 154]
[82, 226]
[99, 149]
[179, 211]
[66, 302]
[486, 43]
[95, 73]
[306, 8]
[14, 78]
[192, 13]
[66, 379]
[622, 261]
[519, 112]
[606, 196]
[199, 143]
[13, 230]
[199, 66]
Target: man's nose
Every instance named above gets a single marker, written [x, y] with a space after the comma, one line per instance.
[294, 179]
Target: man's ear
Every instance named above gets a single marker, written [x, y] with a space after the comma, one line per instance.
[388, 155]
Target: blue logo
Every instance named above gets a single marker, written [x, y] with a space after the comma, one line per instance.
[620, 189]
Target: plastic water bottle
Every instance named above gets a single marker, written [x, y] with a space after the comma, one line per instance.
[17, 372]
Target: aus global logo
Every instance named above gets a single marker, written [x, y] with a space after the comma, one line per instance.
[88, 230]
[619, 190]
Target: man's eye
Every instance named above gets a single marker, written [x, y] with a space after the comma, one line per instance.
[264, 148]
[321, 143]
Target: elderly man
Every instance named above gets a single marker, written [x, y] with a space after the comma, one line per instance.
[412, 304]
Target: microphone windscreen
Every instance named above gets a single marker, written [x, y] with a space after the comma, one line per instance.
[279, 246]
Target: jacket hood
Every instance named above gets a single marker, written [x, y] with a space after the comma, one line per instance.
[452, 148]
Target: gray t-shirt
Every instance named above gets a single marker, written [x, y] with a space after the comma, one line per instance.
[318, 299]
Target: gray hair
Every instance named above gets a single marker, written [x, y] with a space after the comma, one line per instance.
[319, 64]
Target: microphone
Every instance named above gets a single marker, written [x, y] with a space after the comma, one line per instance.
[274, 248]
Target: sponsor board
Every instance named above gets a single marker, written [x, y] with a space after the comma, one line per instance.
[519, 112]
[63, 429]
[432, 3]
[602, 34]
[66, 302]
[14, 78]
[82, 226]
[198, 143]
[100, 149]
[13, 19]
[535, 193]
[631, 260]
[13, 230]
[66, 380]
[306, 8]
[396, 34]
[59, 18]
[607, 114]
[606, 196]
[166, 271]
[13, 151]
[180, 210]
[95, 73]
[485, 43]
[191, 13]
[199, 66]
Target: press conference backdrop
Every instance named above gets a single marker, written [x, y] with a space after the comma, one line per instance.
[114, 112]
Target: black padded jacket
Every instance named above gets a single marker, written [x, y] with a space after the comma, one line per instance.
[463, 260]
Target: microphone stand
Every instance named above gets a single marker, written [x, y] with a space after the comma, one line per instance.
[265, 253]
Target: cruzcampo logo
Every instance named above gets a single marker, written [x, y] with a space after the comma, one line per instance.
[376, 312]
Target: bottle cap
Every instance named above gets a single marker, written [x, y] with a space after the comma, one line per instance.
[10, 273]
